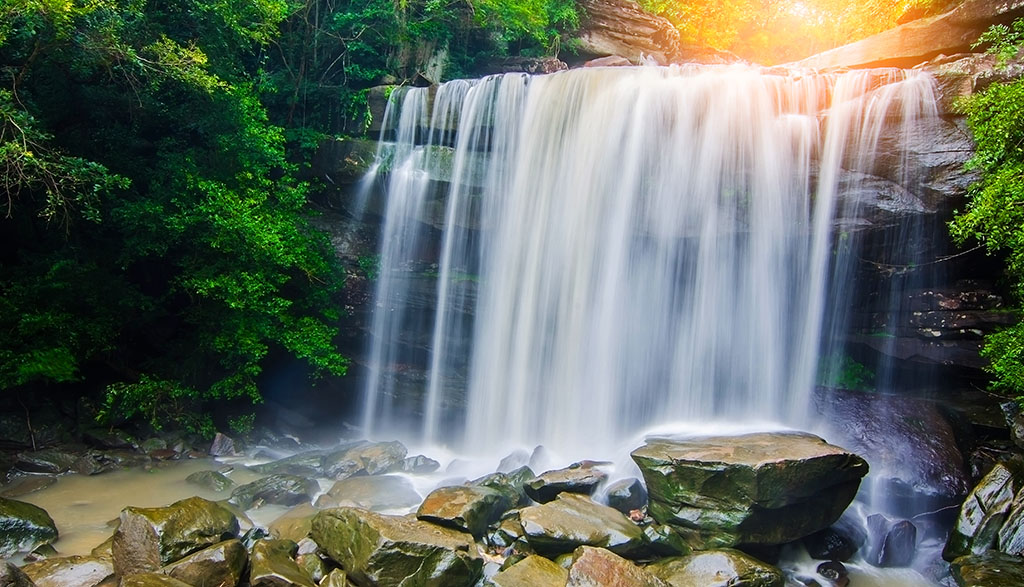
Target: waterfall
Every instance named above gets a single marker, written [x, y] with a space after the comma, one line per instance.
[616, 248]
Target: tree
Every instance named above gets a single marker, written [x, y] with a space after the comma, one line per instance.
[994, 215]
[155, 232]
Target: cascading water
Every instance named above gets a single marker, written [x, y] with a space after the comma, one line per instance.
[619, 248]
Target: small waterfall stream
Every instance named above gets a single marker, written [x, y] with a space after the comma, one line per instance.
[621, 248]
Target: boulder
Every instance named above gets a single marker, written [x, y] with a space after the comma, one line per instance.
[1014, 421]
[627, 495]
[623, 28]
[573, 520]
[273, 565]
[294, 524]
[717, 567]
[1010, 538]
[390, 550]
[222, 446]
[896, 544]
[72, 571]
[508, 530]
[24, 527]
[665, 540]
[211, 480]
[754, 489]
[336, 578]
[984, 511]
[578, 478]
[467, 508]
[597, 567]
[833, 543]
[275, 489]
[371, 458]
[834, 571]
[990, 569]
[511, 483]
[151, 580]
[380, 493]
[50, 460]
[12, 576]
[308, 558]
[26, 484]
[149, 538]
[920, 40]
[304, 464]
[419, 465]
[909, 443]
[221, 564]
[532, 571]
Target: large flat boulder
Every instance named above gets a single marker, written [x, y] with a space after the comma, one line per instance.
[717, 567]
[755, 489]
[573, 520]
[71, 571]
[376, 549]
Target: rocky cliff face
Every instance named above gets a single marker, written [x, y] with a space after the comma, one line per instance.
[918, 41]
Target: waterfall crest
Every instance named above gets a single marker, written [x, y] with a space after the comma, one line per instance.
[618, 248]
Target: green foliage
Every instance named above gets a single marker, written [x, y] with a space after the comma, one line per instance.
[185, 259]
[844, 372]
[157, 402]
[994, 216]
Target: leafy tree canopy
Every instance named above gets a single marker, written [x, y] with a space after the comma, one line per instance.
[995, 211]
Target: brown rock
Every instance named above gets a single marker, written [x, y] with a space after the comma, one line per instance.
[597, 567]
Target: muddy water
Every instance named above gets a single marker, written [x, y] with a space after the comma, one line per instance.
[84, 507]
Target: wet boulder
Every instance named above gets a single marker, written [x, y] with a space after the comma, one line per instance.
[573, 520]
[294, 524]
[895, 543]
[989, 569]
[419, 465]
[580, 478]
[837, 543]
[304, 464]
[23, 527]
[627, 495]
[910, 445]
[50, 460]
[221, 564]
[372, 458]
[380, 493]
[275, 489]
[389, 550]
[717, 567]
[466, 508]
[149, 538]
[510, 483]
[532, 571]
[211, 480]
[273, 565]
[222, 446]
[985, 510]
[12, 576]
[597, 566]
[665, 540]
[336, 578]
[754, 489]
[72, 571]
[151, 580]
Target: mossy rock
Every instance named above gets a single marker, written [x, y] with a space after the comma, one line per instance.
[275, 489]
[532, 571]
[273, 563]
[211, 480]
[466, 508]
[717, 567]
[574, 520]
[23, 527]
[221, 564]
[149, 538]
[71, 570]
[391, 550]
